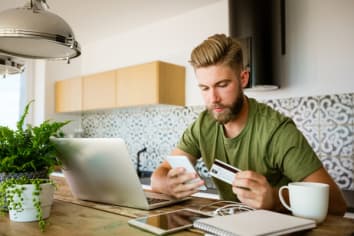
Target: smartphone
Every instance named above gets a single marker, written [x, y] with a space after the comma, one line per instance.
[183, 161]
[168, 222]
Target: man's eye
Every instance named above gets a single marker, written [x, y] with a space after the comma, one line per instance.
[222, 85]
[203, 88]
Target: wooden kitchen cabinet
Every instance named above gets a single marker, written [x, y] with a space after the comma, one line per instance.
[99, 91]
[151, 83]
[146, 84]
[68, 95]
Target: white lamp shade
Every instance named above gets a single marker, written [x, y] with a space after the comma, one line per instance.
[38, 34]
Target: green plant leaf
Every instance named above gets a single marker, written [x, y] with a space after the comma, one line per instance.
[12, 187]
[29, 148]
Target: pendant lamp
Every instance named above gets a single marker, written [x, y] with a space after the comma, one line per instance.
[33, 32]
[9, 66]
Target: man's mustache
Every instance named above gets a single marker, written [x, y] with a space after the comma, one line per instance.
[217, 106]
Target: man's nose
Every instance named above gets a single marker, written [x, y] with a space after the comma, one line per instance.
[214, 96]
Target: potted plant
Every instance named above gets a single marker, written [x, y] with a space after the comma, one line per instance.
[28, 199]
[27, 157]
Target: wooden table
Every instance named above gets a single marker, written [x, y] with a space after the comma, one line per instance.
[79, 218]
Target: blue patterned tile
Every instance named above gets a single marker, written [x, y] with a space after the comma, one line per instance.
[202, 169]
[336, 109]
[336, 140]
[341, 170]
[303, 110]
[352, 116]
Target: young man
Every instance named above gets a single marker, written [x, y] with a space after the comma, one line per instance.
[238, 130]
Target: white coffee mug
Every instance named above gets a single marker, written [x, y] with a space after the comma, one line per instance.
[307, 199]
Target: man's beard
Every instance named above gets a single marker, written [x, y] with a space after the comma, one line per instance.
[230, 112]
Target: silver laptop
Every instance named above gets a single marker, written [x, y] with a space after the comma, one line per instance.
[100, 170]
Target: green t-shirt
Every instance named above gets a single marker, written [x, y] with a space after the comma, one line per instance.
[270, 144]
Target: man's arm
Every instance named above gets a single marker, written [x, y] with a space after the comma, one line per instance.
[262, 195]
[173, 181]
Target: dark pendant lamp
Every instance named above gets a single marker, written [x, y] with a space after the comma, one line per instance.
[33, 32]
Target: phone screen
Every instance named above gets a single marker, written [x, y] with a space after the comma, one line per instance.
[171, 220]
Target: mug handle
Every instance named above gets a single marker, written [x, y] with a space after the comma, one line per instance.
[282, 199]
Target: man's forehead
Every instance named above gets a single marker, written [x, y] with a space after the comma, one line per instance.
[214, 75]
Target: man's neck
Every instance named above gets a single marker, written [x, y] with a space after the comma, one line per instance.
[235, 126]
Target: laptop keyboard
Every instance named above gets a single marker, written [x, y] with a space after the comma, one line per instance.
[155, 200]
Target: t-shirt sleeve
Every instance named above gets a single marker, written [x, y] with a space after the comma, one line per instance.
[189, 142]
[291, 153]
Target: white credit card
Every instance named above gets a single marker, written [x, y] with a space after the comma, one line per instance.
[223, 171]
[183, 161]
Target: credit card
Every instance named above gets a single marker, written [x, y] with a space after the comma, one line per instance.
[223, 171]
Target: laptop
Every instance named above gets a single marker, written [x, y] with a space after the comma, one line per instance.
[100, 170]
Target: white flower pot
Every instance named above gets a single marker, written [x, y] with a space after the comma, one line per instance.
[28, 212]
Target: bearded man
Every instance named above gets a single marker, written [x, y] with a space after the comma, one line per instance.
[244, 133]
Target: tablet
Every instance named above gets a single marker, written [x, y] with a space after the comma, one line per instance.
[168, 222]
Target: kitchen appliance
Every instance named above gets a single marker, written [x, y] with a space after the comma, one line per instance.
[255, 24]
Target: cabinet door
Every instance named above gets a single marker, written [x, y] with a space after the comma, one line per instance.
[68, 95]
[171, 84]
[137, 85]
[99, 91]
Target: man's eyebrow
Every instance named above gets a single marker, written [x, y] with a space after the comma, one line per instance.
[202, 85]
[216, 84]
[223, 81]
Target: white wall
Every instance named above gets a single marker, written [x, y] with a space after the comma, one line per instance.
[170, 40]
[59, 70]
[319, 59]
[320, 49]
[34, 83]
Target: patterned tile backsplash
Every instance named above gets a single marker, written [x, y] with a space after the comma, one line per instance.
[326, 121]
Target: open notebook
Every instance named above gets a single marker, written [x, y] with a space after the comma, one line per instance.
[258, 222]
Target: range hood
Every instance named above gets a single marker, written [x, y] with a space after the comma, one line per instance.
[254, 24]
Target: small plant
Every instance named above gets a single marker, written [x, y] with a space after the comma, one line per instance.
[11, 195]
[26, 151]
[29, 149]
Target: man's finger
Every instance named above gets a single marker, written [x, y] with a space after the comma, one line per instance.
[173, 173]
[247, 184]
[187, 177]
[251, 175]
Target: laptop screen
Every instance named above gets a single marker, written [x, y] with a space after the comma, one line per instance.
[100, 169]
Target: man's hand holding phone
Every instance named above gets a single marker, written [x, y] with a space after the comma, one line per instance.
[182, 179]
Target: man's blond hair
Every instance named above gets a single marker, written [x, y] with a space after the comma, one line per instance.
[218, 49]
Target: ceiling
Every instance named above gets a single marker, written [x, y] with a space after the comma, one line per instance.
[92, 20]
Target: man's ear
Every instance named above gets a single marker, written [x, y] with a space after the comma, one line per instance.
[245, 75]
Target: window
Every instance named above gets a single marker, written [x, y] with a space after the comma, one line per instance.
[10, 100]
